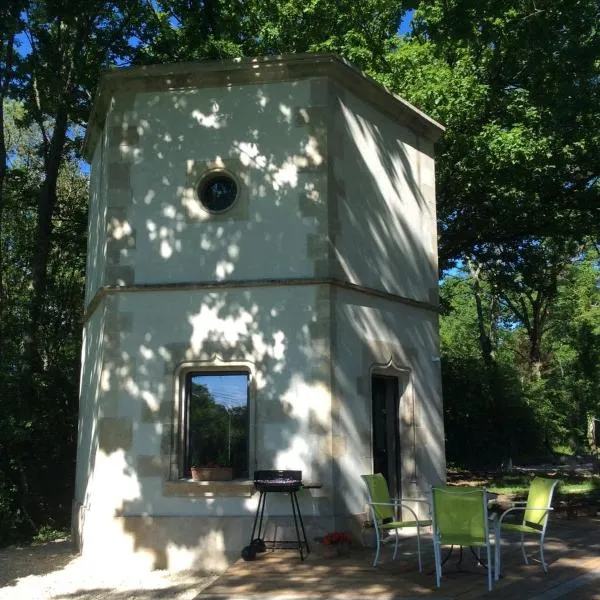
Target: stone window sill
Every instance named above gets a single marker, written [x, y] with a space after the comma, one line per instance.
[214, 489]
[208, 489]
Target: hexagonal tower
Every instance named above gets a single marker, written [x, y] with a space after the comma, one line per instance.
[261, 293]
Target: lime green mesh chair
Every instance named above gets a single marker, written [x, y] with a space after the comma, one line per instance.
[386, 514]
[460, 518]
[536, 509]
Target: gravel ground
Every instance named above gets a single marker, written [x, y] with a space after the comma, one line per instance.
[55, 570]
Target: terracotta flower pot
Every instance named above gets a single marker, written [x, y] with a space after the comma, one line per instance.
[212, 473]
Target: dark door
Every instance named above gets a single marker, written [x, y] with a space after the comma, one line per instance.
[386, 430]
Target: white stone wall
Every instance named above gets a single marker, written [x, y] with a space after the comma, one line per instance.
[332, 192]
[383, 191]
[89, 398]
[374, 334]
[271, 331]
[89, 407]
[161, 142]
[97, 226]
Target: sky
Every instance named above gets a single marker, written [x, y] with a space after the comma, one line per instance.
[228, 389]
[405, 24]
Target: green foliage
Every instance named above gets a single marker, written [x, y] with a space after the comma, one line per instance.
[47, 533]
[219, 29]
[571, 374]
[487, 420]
[516, 483]
[37, 438]
[517, 87]
[531, 409]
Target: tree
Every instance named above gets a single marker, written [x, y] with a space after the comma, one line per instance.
[526, 277]
[37, 438]
[572, 368]
[70, 44]
[10, 17]
[219, 29]
[486, 415]
[518, 88]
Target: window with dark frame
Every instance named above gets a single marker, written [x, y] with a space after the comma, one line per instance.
[216, 421]
[218, 191]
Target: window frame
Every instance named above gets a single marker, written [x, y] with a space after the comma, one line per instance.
[184, 374]
[214, 173]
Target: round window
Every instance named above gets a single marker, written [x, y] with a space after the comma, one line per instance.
[218, 191]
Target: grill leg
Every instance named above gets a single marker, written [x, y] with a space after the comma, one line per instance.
[260, 509]
[262, 513]
[301, 523]
[300, 544]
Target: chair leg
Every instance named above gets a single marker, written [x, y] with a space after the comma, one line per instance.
[419, 549]
[497, 551]
[544, 565]
[523, 549]
[438, 562]
[378, 542]
[489, 565]
[396, 545]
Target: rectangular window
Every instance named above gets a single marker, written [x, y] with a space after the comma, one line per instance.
[216, 422]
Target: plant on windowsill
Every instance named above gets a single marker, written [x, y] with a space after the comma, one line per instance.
[211, 472]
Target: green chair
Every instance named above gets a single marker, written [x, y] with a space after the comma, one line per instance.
[537, 509]
[460, 518]
[386, 513]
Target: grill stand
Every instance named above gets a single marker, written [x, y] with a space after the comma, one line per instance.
[257, 544]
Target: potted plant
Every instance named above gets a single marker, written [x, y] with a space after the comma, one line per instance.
[211, 472]
[336, 543]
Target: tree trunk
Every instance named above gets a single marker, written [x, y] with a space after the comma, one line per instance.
[45, 212]
[2, 177]
[7, 51]
[485, 342]
[535, 341]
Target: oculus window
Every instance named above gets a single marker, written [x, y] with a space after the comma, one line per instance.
[218, 191]
[216, 419]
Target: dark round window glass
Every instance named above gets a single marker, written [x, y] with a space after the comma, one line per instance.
[218, 192]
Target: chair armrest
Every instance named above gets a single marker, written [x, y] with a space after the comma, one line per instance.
[520, 508]
[425, 500]
[509, 510]
[396, 505]
[403, 502]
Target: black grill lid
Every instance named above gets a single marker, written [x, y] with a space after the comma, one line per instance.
[272, 480]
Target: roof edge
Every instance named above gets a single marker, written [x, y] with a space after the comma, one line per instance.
[240, 71]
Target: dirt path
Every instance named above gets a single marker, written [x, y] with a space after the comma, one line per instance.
[55, 570]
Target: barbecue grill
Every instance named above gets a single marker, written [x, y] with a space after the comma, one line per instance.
[267, 481]
[277, 481]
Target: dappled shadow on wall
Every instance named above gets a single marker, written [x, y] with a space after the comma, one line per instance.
[176, 242]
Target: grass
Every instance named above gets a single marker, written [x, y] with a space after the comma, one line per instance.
[48, 533]
[573, 487]
[565, 487]
[563, 449]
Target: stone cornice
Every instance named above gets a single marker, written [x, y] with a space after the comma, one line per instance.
[272, 69]
[255, 283]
